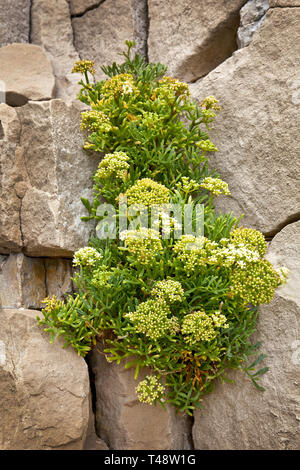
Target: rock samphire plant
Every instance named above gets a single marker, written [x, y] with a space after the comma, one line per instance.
[181, 304]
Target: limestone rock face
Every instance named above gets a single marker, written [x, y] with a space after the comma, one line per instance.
[27, 74]
[100, 34]
[257, 130]
[22, 281]
[11, 170]
[58, 175]
[192, 38]
[52, 29]
[14, 21]
[252, 16]
[284, 3]
[125, 423]
[25, 281]
[238, 416]
[78, 7]
[44, 399]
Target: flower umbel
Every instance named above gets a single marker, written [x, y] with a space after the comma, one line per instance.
[147, 192]
[82, 66]
[86, 256]
[113, 164]
[150, 390]
[215, 185]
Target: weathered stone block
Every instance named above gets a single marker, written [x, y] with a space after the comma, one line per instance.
[125, 423]
[44, 389]
[257, 129]
[239, 416]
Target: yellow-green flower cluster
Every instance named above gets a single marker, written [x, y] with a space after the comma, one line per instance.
[96, 121]
[207, 146]
[147, 192]
[215, 185]
[149, 390]
[194, 251]
[151, 318]
[210, 102]
[187, 185]
[198, 326]
[101, 277]
[219, 319]
[119, 85]
[177, 88]
[113, 164]
[82, 66]
[230, 254]
[86, 256]
[255, 284]
[52, 303]
[168, 290]
[145, 244]
[252, 239]
[152, 120]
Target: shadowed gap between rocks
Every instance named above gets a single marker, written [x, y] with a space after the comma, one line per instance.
[220, 45]
[289, 220]
[140, 14]
[89, 8]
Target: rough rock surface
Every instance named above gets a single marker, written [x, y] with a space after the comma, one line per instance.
[44, 399]
[58, 175]
[100, 34]
[257, 130]
[79, 7]
[14, 21]
[252, 16]
[25, 281]
[11, 170]
[22, 281]
[52, 29]
[238, 416]
[192, 38]
[125, 423]
[27, 74]
[284, 3]
[92, 441]
[58, 273]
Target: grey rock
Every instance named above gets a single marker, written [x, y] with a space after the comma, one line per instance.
[252, 16]
[14, 21]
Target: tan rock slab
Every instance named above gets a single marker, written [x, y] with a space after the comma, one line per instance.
[11, 170]
[238, 416]
[257, 130]
[192, 38]
[44, 399]
[59, 174]
[22, 282]
[79, 7]
[52, 29]
[26, 72]
[125, 423]
[100, 34]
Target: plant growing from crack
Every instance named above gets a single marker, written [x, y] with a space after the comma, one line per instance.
[183, 306]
